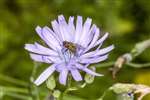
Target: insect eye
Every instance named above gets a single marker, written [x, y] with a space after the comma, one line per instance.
[64, 43]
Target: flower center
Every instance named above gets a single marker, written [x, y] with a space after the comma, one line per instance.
[68, 50]
[70, 46]
[71, 51]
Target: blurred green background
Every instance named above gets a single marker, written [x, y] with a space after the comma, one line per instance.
[127, 21]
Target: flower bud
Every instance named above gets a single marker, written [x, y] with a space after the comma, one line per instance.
[89, 78]
[56, 93]
[51, 83]
[120, 88]
[125, 96]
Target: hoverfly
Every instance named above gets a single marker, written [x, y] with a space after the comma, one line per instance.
[70, 46]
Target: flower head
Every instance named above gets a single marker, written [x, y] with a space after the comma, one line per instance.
[69, 48]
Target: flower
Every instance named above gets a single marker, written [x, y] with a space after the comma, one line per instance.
[69, 48]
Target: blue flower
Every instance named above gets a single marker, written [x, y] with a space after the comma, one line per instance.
[70, 48]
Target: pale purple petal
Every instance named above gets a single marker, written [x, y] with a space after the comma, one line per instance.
[46, 59]
[63, 76]
[76, 75]
[95, 38]
[54, 34]
[86, 28]
[78, 29]
[104, 50]
[55, 59]
[101, 40]
[94, 59]
[60, 67]
[71, 23]
[38, 29]
[88, 38]
[40, 58]
[91, 72]
[45, 74]
[48, 38]
[39, 49]
[55, 27]
[71, 28]
[64, 28]
[85, 69]
[98, 52]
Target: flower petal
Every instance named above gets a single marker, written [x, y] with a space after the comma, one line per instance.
[46, 59]
[98, 52]
[78, 29]
[55, 27]
[39, 49]
[83, 68]
[94, 59]
[95, 38]
[54, 34]
[85, 31]
[55, 59]
[71, 28]
[88, 38]
[64, 28]
[76, 75]
[40, 58]
[63, 76]
[104, 50]
[101, 40]
[48, 38]
[91, 72]
[43, 77]
[60, 67]
[38, 29]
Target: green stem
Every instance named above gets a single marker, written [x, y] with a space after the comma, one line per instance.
[130, 64]
[103, 65]
[34, 71]
[14, 89]
[134, 65]
[18, 96]
[67, 89]
[33, 90]
[103, 95]
[13, 80]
